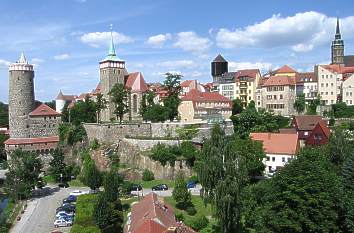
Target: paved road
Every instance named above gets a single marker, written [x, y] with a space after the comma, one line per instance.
[2, 174]
[40, 213]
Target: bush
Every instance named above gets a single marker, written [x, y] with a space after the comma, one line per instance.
[191, 210]
[148, 175]
[198, 223]
[84, 215]
[95, 144]
[179, 217]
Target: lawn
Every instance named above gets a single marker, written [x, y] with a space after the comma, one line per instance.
[49, 179]
[76, 183]
[149, 184]
[84, 215]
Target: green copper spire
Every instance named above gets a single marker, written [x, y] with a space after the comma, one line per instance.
[112, 51]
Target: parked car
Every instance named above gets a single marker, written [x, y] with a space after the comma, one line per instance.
[63, 185]
[136, 187]
[160, 187]
[91, 191]
[66, 209]
[191, 185]
[62, 223]
[77, 193]
[70, 199]
[64, 214]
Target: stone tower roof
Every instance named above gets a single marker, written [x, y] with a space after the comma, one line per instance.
[219, 58]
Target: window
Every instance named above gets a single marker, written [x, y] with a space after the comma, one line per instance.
[332, 84]
[280, 97]
[268, 158]
[269, 97]
[326, 84]
[275, 97]
[306, 133]
[331, 92]
[283, 159]
[273, 159]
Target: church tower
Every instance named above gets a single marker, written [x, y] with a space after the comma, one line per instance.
[337, 47]
[21, 97]
[112, 71]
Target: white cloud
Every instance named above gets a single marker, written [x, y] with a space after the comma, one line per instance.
[302, 32]
[158, 40]
[191, 42]
[177, 64]
[37, 60]
[4, 63]
[262, 66]
[98, 39]
[61, 57]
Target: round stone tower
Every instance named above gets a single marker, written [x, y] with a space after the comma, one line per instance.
[21, 97]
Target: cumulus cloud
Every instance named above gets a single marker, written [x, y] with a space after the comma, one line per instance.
[98, 39]
[158, 40]
[262, 66]
[177, 64]
[4, 63]
[61, 57]
[301, 32]
[37, 60]
[191, 42]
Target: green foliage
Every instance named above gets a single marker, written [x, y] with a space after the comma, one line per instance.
[222, 172]
[58, 169]
[23, 174]
[300, 103]
[82, 111]
[187, 132]
[84, 215]
[4, 115]
[119, 97]
[236, 106]
[303, 197]
[348, 203]
[188, 152]
[111, 183]
[181, 194]
[173, 87]
[71, 134]
[251, 120]
[340, 147]
[148, 175]
[156, 113]
[281, 121]
[92, 176]
[147, 101]
[3, 138]
[94, 145]
[191, 210]
[193, 179]
[50, 104]
[341, 110]
[163, 154]
[312, 106]
[102, 213]
[101, 103]
[198, 223]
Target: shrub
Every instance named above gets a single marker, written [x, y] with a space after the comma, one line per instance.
[84, 215]
[191, 210]
[148, 175]
[198, 223]
[181, 194]
[95, 144]
[180, 217]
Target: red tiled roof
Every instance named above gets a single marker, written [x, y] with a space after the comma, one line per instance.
[307, 122]
[324, 128]
[136, 82]
[44, 110]
[97, 90]
[198, 96]
[275, 143]
[285, 69]
[306, 77]
[186, 83]
[22, 141]
[252, 73]
[279, 81]
[149, 226]
[337, 68]
[151, 208]
[287, 131]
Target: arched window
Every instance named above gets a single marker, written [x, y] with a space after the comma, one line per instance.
[135, 103]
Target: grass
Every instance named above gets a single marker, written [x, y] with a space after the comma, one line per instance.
[76, 183]
[150, 184]
[84, 215]
[49, 179]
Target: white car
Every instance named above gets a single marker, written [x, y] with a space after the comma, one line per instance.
[64, 214]
[62, 223]
[77, 193]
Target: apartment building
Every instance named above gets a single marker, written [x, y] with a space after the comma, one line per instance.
[348, 89]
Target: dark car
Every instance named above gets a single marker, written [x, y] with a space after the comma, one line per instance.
[63, 185]
[160, 187]
[66, 208]
[191, 185]
[70, 199]
[136, 187]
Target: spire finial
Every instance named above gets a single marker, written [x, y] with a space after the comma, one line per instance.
[22, 59]
[112, 50]
[338, 35]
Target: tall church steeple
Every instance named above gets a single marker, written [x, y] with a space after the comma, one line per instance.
[337, 47]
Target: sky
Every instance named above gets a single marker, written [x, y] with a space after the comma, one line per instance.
[65, 40]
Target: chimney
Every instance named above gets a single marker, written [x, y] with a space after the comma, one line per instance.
[172, 230]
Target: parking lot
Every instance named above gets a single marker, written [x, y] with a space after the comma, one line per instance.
[40, 213]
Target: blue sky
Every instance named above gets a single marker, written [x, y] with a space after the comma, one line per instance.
[66, 39]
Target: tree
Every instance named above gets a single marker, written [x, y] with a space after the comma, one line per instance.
[312, 107]
[222, 173]
[156, 113]
[101, 103]
[23, 174]
[50, 104]
[173, 87]
[119, 97]
[92, 176]
[147, 101]
[340, 147]
[300, 103]
[187, 132]
[348, 177]
[4, 115]
[102, 213]
[180, 193]
[83, 111]
[303, 197]
[58, 169]
[341, 110]
[188, 152]
[236, 106]
[112, 181]
[163, 154]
